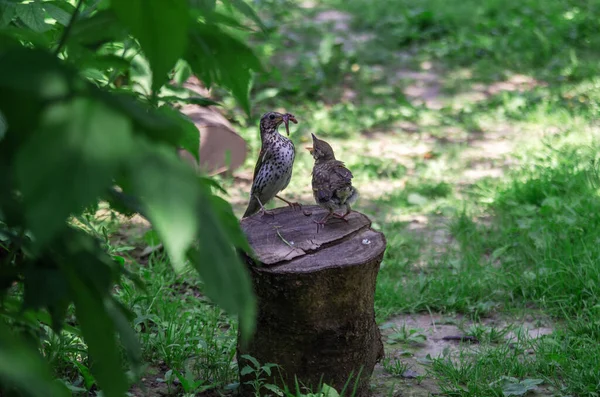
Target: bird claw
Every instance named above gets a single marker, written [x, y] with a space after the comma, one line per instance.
[265, 212]
[342, 217]
[295, 205]
[319, 224]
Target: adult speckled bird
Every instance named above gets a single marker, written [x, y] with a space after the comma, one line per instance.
[273, 169]
[331, 182]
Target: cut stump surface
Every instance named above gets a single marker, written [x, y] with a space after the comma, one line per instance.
[315, 293]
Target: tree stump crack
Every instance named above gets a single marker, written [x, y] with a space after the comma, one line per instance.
[290, 234]
[328, 244]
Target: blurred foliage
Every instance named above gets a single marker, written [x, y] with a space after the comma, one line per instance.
[552, 37]
[86, 108]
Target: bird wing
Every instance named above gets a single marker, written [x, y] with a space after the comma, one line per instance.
[253, 204]
[332, 177]
[264, 155]
[342, 183]
[343, 174]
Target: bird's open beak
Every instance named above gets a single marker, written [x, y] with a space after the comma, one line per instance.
[286, 120]
[310, 148]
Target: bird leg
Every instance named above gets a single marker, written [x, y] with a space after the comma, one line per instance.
[343, 217]
[293, 205]
[321, 223]
[263, 211]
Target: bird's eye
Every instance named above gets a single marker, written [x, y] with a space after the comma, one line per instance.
[271, 117]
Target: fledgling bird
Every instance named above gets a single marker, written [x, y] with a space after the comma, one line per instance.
[331, 182]
[273, 169]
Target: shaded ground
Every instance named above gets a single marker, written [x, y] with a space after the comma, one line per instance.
[414, 340]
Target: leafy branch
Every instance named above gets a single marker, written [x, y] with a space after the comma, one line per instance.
[68, 28]
[110, 142]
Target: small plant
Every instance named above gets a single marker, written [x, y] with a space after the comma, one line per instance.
[260, 382]
[187, 380]
[487, 334]
[514, 387]
[324, 391]
[395, 366]
[190, 384]
[259, 372]
[407, 335]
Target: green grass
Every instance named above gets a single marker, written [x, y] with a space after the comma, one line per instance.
[178, 327]
[554, 38]
[528, 241]
[541, 250]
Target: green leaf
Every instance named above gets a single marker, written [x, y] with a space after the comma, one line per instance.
[34, 72]
[217, 57]
[98, 332]
[248, 11]
[123, 203]
[32, 14]
[47, 319]
[170, 194]
[11, 35]
[190, 137]
[208, 5]
[58, 13]
[69, 161]
[329, 391]
[252, 360]
[91, 275]
[127, 336]
[101, 62]
[209, 181]
[101, 27]
[178, 93]
[140, 74]
[88, 378]
[512, 387]
[28, 80]
[246, 370]
[228, 283]
[194, 100]
[159, 125]
[151, 238]
[161, 28]
[22, 367]
[274, 388]
[183, 72]
[230, 223]
[217, 18]
[46, 287]
[7, 13]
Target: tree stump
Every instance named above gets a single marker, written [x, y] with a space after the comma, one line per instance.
[315, 293]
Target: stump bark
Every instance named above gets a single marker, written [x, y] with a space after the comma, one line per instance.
[315, 293]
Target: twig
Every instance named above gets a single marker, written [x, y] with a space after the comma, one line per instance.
[65, 35]
[281, 237]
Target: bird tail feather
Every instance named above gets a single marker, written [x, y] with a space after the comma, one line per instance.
[253, 207]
